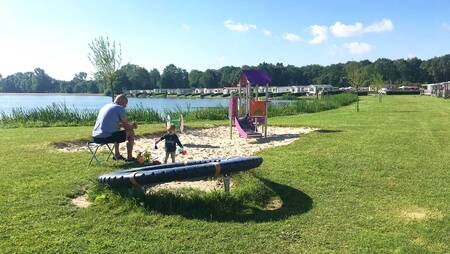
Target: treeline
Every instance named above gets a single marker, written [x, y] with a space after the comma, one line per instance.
[130, 76]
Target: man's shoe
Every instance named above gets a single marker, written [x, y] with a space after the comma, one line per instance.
[131, 159]
[118, 158]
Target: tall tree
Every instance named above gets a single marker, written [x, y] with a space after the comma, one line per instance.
[174, 77]
[194, 78]
[356, 76]
[378, 83]
[229, 76]
[121, 82]
[41, 82]
[311, 72]
[388, 69]
[155, 78]
[106, 58]
[333, 75]
[79, 77]
[209, 79]
[138, 76]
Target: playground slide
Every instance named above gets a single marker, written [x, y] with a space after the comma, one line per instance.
[179, 171]
[246, 131]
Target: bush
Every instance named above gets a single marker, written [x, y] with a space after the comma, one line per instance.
[400, 92]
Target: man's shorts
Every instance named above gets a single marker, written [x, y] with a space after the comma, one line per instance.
[116, 137]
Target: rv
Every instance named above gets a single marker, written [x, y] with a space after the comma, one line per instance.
[315, 89]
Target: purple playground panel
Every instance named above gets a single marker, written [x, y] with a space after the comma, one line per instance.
[233, 108]
[257, 77]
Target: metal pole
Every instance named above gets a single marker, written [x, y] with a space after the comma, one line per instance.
[249, 91]
[230, 108]
[267, 110]
[239, 101]
[226, 183]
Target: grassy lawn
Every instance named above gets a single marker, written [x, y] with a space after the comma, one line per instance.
[374, 181]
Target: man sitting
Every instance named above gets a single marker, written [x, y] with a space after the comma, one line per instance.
[111, 117]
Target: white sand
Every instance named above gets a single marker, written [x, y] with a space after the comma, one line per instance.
[206, 144]
[81, 201]
[216, 143]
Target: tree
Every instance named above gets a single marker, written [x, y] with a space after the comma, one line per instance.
[194, 78]
[106, 58]
[174, 77]
[121, 82]
[333, 75]
[356, 76]
[378, 83]
[154, 77]
[209, 79]
[138, 76]
[229, 75]
[437, 69]
[388, 69]
[277, 72]
[79, 77]
[311, 72]
[41, 82]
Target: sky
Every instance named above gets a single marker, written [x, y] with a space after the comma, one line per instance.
[202, 34]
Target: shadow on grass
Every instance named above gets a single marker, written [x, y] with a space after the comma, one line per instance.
[275, 137]
[328, 131]
[226, 207]
[130, 164]
[404, 111]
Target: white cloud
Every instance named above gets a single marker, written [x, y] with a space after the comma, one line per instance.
[382, 26]
[411, 55]
[238, 27]
[186, 27]
[446, 26]
[319, 33]
[357, 48]
[292, 37]
[343, 30]
[267, 32]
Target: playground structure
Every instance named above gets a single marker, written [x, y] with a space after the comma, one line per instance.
[246, 111]
[179, 123]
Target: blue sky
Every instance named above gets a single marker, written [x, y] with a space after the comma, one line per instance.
[201, 34]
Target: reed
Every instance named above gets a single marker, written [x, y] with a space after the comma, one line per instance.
[62, 115]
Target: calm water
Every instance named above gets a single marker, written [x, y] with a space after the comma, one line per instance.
[29, 101]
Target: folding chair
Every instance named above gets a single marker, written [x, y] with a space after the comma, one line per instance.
[93, 148]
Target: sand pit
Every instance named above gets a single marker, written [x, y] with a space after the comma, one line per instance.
[200, 184]
[216, 143]
[81, 201]
[419, 213]
[205, 144]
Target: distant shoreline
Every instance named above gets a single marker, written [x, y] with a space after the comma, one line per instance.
[63, 94]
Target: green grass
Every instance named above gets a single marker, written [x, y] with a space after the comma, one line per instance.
[312, 105]
[344, 189]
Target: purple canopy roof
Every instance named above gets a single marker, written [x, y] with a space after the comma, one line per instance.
[257, 77]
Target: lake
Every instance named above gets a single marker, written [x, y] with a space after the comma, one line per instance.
[30, 101]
